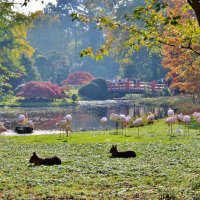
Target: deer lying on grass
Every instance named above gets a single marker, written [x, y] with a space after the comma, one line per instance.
[37, 161]
[123, 154]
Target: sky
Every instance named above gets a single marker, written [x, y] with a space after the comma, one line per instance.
[33, 5]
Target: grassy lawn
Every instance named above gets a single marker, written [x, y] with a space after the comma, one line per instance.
[166, 167]
[20, 102]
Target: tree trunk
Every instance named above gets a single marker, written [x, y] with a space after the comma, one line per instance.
[193, 98]
[195, 4]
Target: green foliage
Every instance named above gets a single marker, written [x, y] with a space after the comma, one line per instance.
[89, 90]
[52, 67]
[102, 85]
[144, 65]
[149, 93]
[166, 92]
[13, 45]
[31, 71]
[145, 26]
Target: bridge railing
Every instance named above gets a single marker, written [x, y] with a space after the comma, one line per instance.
[131, 86]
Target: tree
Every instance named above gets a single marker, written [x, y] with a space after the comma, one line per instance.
[78, 78]
[144, 27]
[181, 62]
[31, 71]
[155, 24]
[51, 67]
[144, 65]
[78, 35]
[150, 15]
[13, 44]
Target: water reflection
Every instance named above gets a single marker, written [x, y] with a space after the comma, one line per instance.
[86, 116]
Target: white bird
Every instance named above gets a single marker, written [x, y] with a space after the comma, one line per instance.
[170, 112]
[21, 120]
[2, 128]
[150, 118]
[64, 126]
[137, 123]
[122, 117]
[30, 124]
[103, 122]
[198, 123]
[122, 122]
[127, 119]
[187, 120]
[170, 121]
[114, 117]
[196, 115]
[127, 122]
[68, 118]
[180, 117]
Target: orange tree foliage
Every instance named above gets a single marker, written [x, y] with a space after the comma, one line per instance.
[42, 90]
[183, 64]
[79, 78]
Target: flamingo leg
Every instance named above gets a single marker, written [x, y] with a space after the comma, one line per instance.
[188, 131]
[185, 130]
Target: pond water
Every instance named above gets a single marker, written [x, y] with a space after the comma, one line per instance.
[85, 116]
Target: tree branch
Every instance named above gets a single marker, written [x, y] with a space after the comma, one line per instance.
[189, 46]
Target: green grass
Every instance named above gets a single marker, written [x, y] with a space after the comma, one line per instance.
[20, 102]
[165, 167]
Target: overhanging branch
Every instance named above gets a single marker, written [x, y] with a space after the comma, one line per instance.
[189, 46]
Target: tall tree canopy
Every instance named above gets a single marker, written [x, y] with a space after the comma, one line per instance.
[13, 44]
[144, 27]
[182, 62]
[54, 32]
[170, 26]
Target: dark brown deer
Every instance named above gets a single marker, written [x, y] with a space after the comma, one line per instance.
[37, 161]
[123, 154]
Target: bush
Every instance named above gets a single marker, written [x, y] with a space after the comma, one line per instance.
[41, 90]
[74, 97]
[166, 92]
[96, 89]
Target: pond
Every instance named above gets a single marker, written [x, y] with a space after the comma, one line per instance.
[86, 116]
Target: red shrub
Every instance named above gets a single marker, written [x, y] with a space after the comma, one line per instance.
[79, 78]
[44, 90]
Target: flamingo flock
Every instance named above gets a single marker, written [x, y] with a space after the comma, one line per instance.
[128, 122]
[181, 119]
[122, 121]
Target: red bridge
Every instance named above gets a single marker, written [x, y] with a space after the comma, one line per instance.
[129, 86]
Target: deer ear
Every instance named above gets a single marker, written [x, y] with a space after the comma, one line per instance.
[115, 146]
[34, 153]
